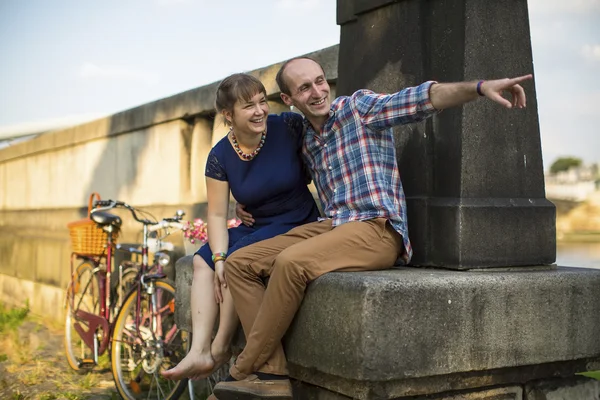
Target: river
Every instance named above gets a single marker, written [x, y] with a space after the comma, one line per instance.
[578, 254]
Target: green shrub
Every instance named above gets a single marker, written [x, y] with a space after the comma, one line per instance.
[11, 318]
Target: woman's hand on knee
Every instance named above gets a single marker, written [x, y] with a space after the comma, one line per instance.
[219, 281]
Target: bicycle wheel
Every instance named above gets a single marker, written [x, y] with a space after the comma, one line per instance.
[82, 294]
[139, 354]
[120, 291]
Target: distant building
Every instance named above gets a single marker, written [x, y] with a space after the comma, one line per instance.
[575, 184]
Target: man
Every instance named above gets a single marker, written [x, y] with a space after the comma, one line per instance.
[348, 146]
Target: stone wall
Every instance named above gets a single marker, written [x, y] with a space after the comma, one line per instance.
[152, 156]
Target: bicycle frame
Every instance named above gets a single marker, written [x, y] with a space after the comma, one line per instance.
[94, 321]
[144, 282]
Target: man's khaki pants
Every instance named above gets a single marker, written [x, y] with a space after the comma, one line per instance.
[291, 261]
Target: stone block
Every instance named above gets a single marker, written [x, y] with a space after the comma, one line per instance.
[184, 273]
[407, 323]
[576, 388]
[503, 393]
[412, 331]
[473, 175]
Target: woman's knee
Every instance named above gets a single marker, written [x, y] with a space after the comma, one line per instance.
[200, 265]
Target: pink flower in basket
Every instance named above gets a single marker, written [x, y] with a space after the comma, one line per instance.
[233, 223]
[197, 231]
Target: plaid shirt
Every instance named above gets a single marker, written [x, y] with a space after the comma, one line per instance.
[353, 159]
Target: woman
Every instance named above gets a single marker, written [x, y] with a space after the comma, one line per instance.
[259, 161]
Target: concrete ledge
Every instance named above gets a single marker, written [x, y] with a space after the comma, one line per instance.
[44, 300]
[306, 391]
[198, 101]
[571, 389]
[410, 322]
[412, 331]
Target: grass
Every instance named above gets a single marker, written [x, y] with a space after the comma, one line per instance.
[18, 395]
[60, 396]
[11, 318]
[11, 344]
[104, 361]
[37, 370]
[88, 382]
[578, 237]
[591, 374]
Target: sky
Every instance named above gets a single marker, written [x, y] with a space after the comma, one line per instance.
[66, 61]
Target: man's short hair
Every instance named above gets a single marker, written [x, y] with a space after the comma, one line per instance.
[283, 86]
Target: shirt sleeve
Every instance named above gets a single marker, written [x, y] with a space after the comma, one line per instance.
[381, 111]
[214, 168]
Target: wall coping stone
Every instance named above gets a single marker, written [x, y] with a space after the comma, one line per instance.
[185, 105]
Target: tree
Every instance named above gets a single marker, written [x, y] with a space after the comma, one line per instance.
[564, 163]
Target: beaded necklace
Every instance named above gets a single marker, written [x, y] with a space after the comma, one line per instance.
[246, 156]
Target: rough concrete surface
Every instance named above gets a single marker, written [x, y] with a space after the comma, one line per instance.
[573, 389]
[410, 322]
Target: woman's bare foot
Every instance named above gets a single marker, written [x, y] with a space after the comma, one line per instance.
[193, 364]
[220, 357]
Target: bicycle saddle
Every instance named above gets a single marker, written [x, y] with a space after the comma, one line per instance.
[105, 219]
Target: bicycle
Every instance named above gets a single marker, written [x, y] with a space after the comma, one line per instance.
[93, 298]
[143, 338]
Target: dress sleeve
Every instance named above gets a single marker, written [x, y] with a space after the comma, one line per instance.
[295, 126]
[214, 168]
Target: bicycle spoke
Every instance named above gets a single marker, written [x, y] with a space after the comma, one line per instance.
[142, 346]
[82, 295]
[158, 388]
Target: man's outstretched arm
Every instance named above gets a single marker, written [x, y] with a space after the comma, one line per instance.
[447, 95]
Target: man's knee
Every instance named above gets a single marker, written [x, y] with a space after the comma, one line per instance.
[234, 263]
[291, 262]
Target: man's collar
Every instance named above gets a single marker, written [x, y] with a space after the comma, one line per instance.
[307, 123]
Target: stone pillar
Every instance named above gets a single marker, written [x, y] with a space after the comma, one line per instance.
[473, 176]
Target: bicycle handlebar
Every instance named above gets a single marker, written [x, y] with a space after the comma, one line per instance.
[153, 226]
[166, 224]
[106, 205]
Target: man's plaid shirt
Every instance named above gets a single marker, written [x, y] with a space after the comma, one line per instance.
[353, 159]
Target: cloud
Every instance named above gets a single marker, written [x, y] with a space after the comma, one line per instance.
[569, 127]
[552, 33]
[168, 3]
[586, 107]
[298, 5]
[591, 52]
[564, 7]
[92, 71]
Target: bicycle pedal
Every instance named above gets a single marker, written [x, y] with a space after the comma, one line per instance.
[135, 387]
[87, 363]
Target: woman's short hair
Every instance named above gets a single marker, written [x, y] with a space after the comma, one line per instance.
[237, 87]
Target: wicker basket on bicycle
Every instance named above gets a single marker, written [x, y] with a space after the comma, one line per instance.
[86, 237]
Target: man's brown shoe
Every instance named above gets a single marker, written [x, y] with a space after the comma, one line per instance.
[253, 388]
[211, 397]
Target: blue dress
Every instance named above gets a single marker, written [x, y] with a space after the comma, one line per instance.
[272, 185]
